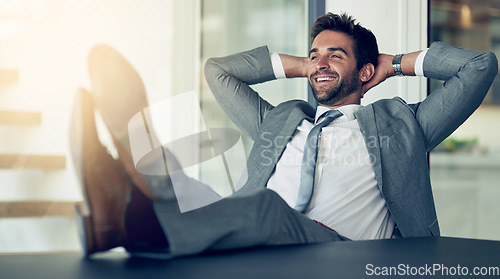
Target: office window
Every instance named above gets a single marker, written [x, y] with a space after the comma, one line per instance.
[44, 48]
[465, 168]
[230, 26]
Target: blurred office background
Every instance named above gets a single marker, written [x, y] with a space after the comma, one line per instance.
[44, 47]
[465, 168]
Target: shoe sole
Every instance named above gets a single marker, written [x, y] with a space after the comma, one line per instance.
[83, 210]
[118, 91]
[119, 94]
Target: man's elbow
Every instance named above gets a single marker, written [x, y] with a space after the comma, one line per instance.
[214, 73]
[211, 69]
[490, 64]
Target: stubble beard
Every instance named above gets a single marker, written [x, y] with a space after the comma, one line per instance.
[343, 88]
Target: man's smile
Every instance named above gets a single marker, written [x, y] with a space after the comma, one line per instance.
[324, 77]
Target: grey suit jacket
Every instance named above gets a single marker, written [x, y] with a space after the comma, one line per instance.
[398, 135]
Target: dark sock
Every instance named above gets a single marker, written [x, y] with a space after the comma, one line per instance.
[141, 224]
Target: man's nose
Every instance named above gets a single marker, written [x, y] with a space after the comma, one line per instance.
[322, 64]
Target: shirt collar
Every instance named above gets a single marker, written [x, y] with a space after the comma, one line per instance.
[347, 111]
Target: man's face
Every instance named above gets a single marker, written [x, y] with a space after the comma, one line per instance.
[332, 68]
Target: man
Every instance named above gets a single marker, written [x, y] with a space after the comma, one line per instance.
[385, 193]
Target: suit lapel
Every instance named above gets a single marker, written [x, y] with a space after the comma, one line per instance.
[368, 126]
[266, 151]
[268, 148]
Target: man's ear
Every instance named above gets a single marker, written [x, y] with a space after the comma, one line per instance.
[366, 73]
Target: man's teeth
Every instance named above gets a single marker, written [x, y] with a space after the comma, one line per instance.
[324, 79]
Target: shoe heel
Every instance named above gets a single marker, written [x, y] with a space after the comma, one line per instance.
[83, 225]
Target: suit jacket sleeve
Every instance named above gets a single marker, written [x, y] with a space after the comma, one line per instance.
[467, 74]
[230, 78]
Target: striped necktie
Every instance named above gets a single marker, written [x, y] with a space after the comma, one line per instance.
[308, 170]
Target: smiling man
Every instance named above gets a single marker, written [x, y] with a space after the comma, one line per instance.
[346, 171]
[370, 174]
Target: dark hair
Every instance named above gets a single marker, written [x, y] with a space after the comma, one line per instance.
[365, 43]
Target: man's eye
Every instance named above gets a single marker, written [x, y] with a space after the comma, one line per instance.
[314, 58]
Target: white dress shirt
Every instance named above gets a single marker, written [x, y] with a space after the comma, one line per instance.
[346, 197]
